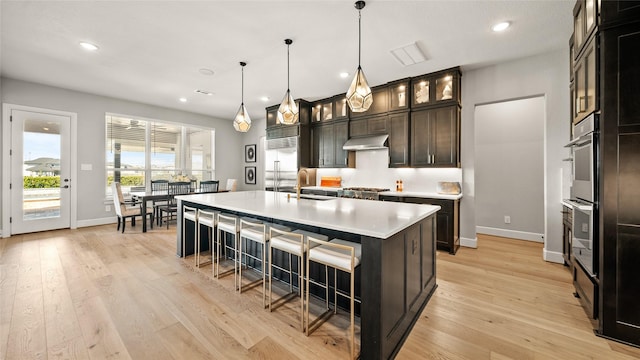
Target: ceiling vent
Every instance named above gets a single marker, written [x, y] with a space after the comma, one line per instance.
[203, 92]
[409, 55]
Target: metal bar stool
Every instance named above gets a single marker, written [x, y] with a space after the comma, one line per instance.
[257, 233]
[292, 243]
[189, 214]
[340, 255]
[209, 219]
[230, 224]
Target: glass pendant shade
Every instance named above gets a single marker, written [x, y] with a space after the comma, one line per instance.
[359, 95]
[242, 121]
[288, 110]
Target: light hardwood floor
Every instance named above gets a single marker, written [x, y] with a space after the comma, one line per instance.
[94, 293]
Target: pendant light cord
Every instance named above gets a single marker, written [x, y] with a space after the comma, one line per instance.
[359, 37]
[288, 87]
[242, 87]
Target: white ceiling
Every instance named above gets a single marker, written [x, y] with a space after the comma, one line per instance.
[151, 51]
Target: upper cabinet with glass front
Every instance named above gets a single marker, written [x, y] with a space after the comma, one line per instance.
[398, 91]
[436, 88]
[584, 23]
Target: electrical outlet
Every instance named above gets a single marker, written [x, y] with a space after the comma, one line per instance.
[107, 208]
[507, 219]
[585, 227]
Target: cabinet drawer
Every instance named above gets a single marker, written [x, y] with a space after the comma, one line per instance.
[586, 289]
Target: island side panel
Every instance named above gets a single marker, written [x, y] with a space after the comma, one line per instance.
[400, 278]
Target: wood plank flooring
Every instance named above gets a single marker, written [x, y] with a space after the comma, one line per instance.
[94, 293]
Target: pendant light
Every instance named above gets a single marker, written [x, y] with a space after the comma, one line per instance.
[242, 121]
[288, 110]
[359, 95]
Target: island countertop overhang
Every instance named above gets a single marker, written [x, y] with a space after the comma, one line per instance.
[370, 218]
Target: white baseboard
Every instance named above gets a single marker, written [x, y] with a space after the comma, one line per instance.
[522, 235]
[96, 222]
[552, 256]
[466, 242]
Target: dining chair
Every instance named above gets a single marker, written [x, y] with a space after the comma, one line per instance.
[174, 188]
[208, 186]
[158, 186]
[123, 211]
[232, 185]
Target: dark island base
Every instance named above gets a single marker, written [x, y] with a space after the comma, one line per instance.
[397, 278]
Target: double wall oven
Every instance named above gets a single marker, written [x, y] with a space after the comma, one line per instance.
[584, 201]
[584, 193]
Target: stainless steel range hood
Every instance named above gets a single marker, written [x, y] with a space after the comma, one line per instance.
[366, 143]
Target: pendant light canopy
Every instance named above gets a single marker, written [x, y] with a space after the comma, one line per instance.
[242, 121]
[288, 110]
[359, 95]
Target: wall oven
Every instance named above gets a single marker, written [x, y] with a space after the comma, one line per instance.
[584, 193]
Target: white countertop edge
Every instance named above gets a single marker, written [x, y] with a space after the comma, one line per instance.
[431, 195]
[209, 200]
[567, 203]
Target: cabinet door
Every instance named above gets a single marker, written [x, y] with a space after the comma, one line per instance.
[341, 135]
[316, 141]
[413, 258]
[358, 127]
[420, 140]
[444, 138]
[272, 115]
[327, 146]
[399, 140]
[377, 125]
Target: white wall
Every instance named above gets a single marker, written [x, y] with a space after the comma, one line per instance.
[372, 170]
[91, 110]
[545, 74]
[255, 135]
[509, 172]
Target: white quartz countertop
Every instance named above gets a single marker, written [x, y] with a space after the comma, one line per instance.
[380, 219]
[430, 195]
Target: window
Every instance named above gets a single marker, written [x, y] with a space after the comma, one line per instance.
[139, 150]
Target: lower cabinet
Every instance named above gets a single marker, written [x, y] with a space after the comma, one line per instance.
[586, 289]
[447, 220]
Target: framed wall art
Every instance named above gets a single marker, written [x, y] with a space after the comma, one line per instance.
[250, 175]
[250, 153]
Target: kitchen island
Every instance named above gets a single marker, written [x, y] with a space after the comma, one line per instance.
[398, 252]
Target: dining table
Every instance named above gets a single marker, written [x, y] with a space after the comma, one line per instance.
[145, 196]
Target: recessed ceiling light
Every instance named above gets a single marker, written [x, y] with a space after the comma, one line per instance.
[265, 98]
[501, 26]
[45, 128]
[183, 99]
[344, 75]
[205, 71]
[88, 46]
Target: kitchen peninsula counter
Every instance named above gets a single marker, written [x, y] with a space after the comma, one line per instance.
[398, 252]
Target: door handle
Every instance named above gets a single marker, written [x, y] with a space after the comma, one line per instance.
[64, 187]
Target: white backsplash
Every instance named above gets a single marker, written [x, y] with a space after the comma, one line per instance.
[372, 170]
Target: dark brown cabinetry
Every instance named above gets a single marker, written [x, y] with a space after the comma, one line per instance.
[447, 219]
[327, 141]
[435, 135]
[619, 233]
[398, 125]
[438, 88]
[584, 94]
[398, 95]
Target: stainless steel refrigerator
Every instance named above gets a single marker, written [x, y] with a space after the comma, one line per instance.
[281, 164]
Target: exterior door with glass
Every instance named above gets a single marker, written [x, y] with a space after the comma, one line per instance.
[40, 171]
